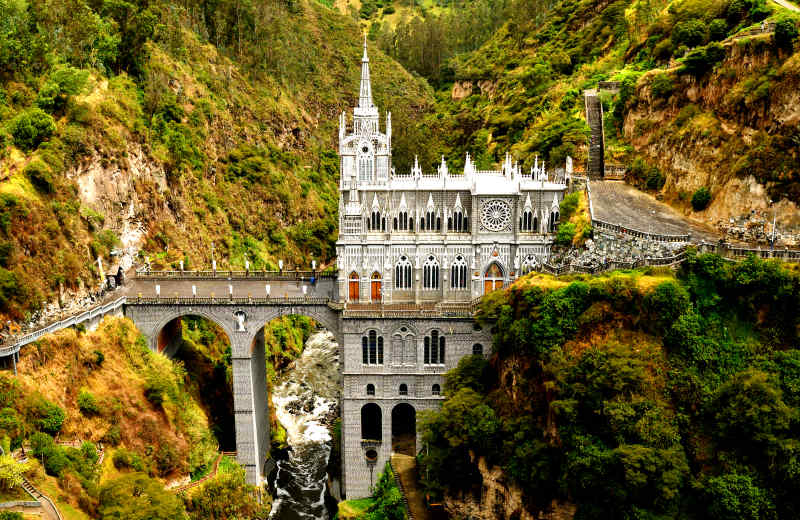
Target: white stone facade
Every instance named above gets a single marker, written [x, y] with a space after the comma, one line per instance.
[416, 237]
[411, 240]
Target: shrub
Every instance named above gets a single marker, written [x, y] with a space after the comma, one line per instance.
[785, 34]
[138, 496]
[702, 60]
[662, 85]
[30, 127]
[388, 10]
[568, 206]
[124, 459]
[113, 436]
[87, 404]
[11, 515]
[154, 392]
[701, 199]
[566, 232]
[689, 32]
[40, 176]
[46, 416]
[10, 288]
[11, 425]
[737, 496]
[717, 30]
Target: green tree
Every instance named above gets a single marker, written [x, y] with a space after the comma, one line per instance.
[30, 127]
[12, 471]
[689, 32]
[138, 497]
[785, 33]
[733, 496]
[701, 199]
[224, 497]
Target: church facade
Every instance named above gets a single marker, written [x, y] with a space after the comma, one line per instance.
[410, 244]
[439, 235]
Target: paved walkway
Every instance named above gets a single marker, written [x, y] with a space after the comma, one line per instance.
[787, 5]
[406, 468]
[619, 203]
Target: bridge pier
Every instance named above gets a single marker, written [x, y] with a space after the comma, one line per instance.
[250, 409]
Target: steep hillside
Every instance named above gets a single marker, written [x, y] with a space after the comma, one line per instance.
[631, 395]
[708, 96]
[158, 129]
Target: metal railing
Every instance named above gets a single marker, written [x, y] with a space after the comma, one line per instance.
[205, 300]
[144, 274]
[623, 230]
[14, 343]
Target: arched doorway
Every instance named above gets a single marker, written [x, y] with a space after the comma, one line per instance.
[375, 284]
[404, 429]
[353, 287]
[493, 278]
[371, 423]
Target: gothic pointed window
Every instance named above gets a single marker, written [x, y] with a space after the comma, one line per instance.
[526, 221]
[366, 163]
[434, 345]
[372, 349]
[402, 274]
[403, 390]
[370, 389]
[436, 389]
[458, 273]
[430, 274]
[535, 227]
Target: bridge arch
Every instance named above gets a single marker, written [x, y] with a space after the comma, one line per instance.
[404, 429]
[157, 339]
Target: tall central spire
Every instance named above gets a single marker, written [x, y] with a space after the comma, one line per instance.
[365, 95]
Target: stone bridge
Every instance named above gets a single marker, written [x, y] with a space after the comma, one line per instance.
[241, 303]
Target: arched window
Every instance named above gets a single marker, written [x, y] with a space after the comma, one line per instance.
[466, 224]
[436, 389]
[438, 223]
[353, 286]
[458, 273]
[459, 223]
[553, 221]
[404, 347]
[434, 348]
[383, 223]
[372, 349]
[395, 224]
[371, 424]
[403, 220]
[375, 221]
[411, 225]
[403, 390]
[370, 389]
[449, 223]
[366, 166]
[422, 223]
[535, 227]
[430, 221]
[477, 349]
[402, 274]
[430, 274]
[376, 287]
[526, 221]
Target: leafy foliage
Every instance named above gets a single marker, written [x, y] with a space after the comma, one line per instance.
[688, 408]
[138, 497]
[701, 199]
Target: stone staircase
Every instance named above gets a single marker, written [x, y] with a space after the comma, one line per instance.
[594, 118]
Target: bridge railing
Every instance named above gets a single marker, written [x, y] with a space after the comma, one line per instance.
[657, 237]
[13, 343]
[145, 274]
[204, 300]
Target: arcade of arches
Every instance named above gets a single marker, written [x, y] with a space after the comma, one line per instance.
[404, 426]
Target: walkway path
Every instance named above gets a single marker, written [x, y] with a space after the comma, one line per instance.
[49, 509]
[787, 5]
[211, 474]
[620, 203]
[405, 467]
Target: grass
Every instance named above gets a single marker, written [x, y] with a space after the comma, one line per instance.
[49, 486]
[646, 279]
[352, 509]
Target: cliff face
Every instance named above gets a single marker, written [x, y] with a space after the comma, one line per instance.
[500, 499]
[734, 131]
[196, 143]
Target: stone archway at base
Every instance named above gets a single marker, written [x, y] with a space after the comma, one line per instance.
[404, 429]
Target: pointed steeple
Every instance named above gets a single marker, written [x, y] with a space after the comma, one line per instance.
[365, 94]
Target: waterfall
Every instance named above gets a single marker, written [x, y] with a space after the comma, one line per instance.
[306, 402]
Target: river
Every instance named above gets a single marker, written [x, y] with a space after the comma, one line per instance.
[306, 401]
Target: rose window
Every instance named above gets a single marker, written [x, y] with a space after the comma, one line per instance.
[495, 215]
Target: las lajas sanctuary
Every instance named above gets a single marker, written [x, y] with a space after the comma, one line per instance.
[417, 244]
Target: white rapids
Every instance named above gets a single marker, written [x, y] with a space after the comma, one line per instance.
[306, 401]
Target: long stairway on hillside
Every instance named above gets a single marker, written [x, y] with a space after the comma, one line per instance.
[594, 118]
